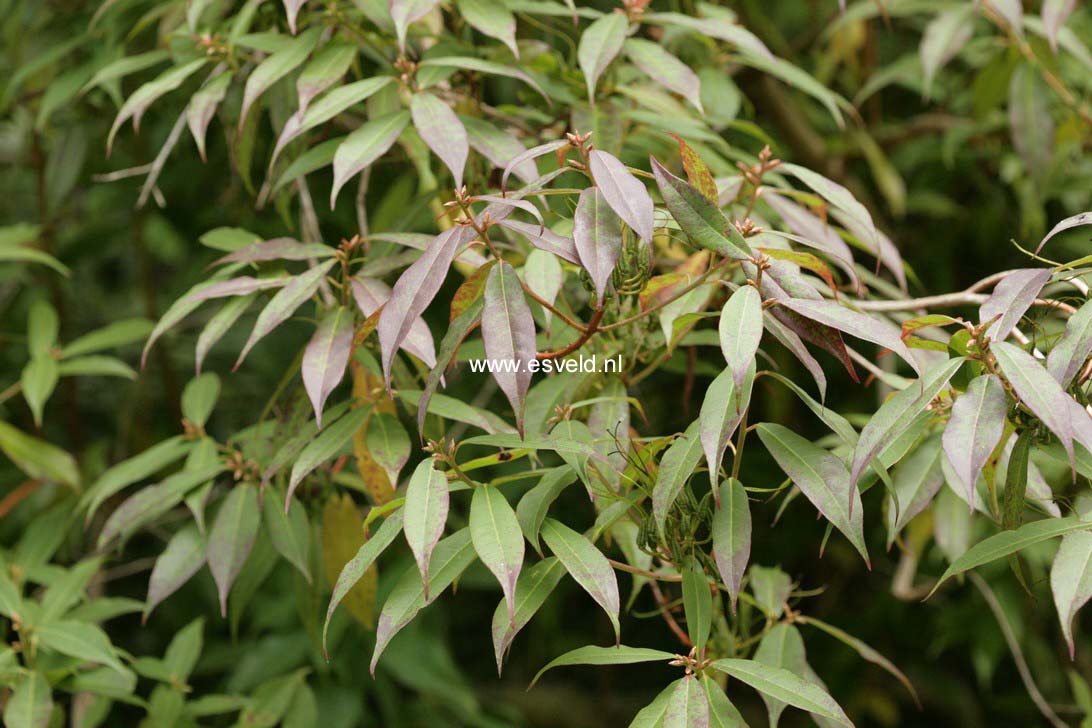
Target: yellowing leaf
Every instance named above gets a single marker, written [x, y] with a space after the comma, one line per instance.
[342, 537]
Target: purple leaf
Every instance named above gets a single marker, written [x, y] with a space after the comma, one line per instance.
[370, 294]
[278, 65]
[330, 63]
[405, 12]
[795, 345]
[365, 145]
[1054, 14]
[701, 220]
[721, 412]
[180, 560]
[425, 514]
[944, 36]
[625, 194]
[740, 331]
[1030, 123]
[975, 428]
[1071, 580]
[1038, 391]
[202, 107]
[599, 44]
[1084, 218]
[326, 356]
[814, 232]
[284, 304]
[545, 239]
[513, 202]
[1011, 299]
[508, 331]
[688, 705]
[597, 232]
[241, 286]
[917, 480]
[530, 155]
[414, 291]
[292, 10]
[855, 324]
[665, 69]
[498, 540]
[818, 334]
[277, 249]
[586, 564]
[232, 536]
[471, 63]
[499, 147]
[732, 536]
[1072, 351]
[442, 131]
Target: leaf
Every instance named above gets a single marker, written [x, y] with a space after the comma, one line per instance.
[425, 514]
[532, 589]
[1016, 481]
[499, 146]
[1010, 542]
[1054, 14]
[597, 232]
[916, 482]
[113, 335]
[544, 239]
[277, 249]
[974, 429]
[491, 18]
[442, 131]
[330, 63]
[624, 193]
[688, 706]
[321, 111]
[784, 686]
[278, 65]
[219, 325]
[797, 78]
[715, 27]
[732, 536]
[409, 595]
[343, 538]
[1011, 299]
[470, 63]
[199, 398]
[372, 294]
[821, 477]
[697, 172]
[722, 714]
[722, 410]
[676, 467]
[135, 106]
[30, 704]
[37, 458]
[1084, 218]
[599, 44]
[943, 38]
[896, 414]
[405, 12]
[544, 277]
[284, 303]
[326, 356]
[388, 444]
[699, 218]
[508, 332]
[587, 565]
[355, 569]
[231, 538]
[1030, 123]
[1039, 391]
[497, 540]
[449, 345]
[535, 503]
[1071, 580]
[652, 715]
[529, 156]
[38, 380]
[153, 501]
[1071, 352]
[697, 604]
[183, 557]
[593, 655]
[289, 532]
[814, 232]
[855, 324]
[328, 443]
[367, 143]
[782, 647]
[80, 640]
[415, 290]
[130, 471]
[202, 107]
[740, 331]
[665, 69]
[67, 590]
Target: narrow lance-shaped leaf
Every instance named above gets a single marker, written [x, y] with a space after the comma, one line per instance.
[498, 540]
[697, 604]
[1016, 481]
[1011, 299]
[290, 532]
[202, 108]
[425, 515]
[1054, 14]
[740, 331]
[1030, 122]
[135, 106]
[625, 194]
[1010, 542]
[688, 707]
[328, 443]
[183, 557]
[821, 477]
[326, 356]
[283, 304]
[917, 480]
[944, 36]
[81, 640]
[1071, 580]
[599, 44]
[732, 536]
[721, 412]
[219, 325]
[415, 290]
[530, 155]
[491, 18]
[473, 63]
[330, 63]
[587, 565]
[442, 131]
[1083, 218]
[30, 704]
[405, 12]
[676, 467]
[534, 586]
[1068, 355]
[449, 346]
[388, 443]
[785, 686]
[278, 65]
[617, 655]
[814, 232]
[365, 145]
[974, 429]
[533, 506]
[897, 413]
[699, 218]
[665, 69]
[782, 647]
[597, 232]
[371, 294]
[543, 274]
[1036, 389]
[508, 331]
[231, 538]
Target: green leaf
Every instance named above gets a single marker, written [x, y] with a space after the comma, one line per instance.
[797, 78]
[491, 18]
[80, 640]
[37, 458]
[1016, 482]
[599, 44]
[700, 219]
[42, 328]
[289, 532]
[232, 537]
[132, 470]
[1006, 543]
[722, 410]
[67, 590]
[38, 380]
[697, 604]
[329, 64]
[321, 111]
[782, 647]
[363, 146]
[532, 589]
[184, 556]
[497, 540]
[135, 106]
[425, 514]
[688, 707]
[587, 565]
[199, 398]
[1030, 122]
[784, 686]
[732, 536]
[617, 655]
[355, 568]
[278, 65]
[184, 650]
[822, 478]
[1071, 580]
[30, 704]
[329, 443]
[11, 601]
[535, 503]
[676, 467]
[665, 69]
[284, 303]
[722, 714]
[95, 366]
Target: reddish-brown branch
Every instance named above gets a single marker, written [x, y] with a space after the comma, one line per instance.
[588, 332]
